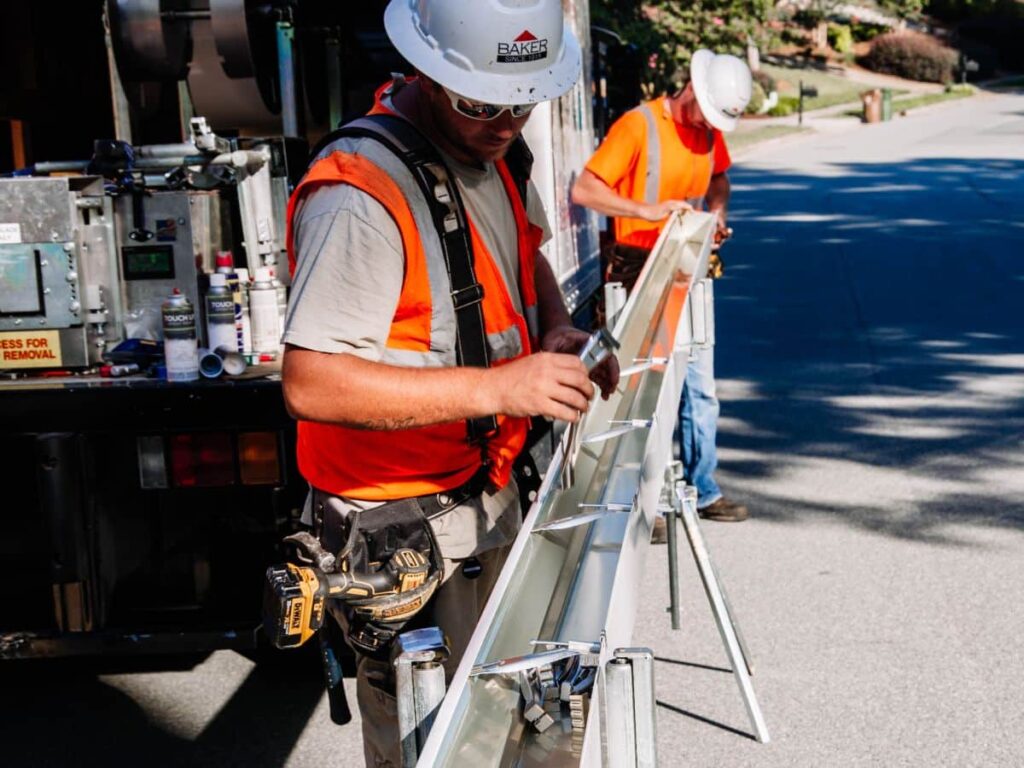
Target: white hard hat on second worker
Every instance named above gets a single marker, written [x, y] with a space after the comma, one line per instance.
[491, 51]
[722, 85]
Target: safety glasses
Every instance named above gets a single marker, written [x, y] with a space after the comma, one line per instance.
[474, 110]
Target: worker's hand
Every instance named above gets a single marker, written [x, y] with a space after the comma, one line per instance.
[664, 209]
[570, 340]
[545, 384]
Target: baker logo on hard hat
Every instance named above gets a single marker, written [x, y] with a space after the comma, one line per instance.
[526, 47]
[489, 51]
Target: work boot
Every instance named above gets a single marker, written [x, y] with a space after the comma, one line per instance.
[660, 533]
[724, 511]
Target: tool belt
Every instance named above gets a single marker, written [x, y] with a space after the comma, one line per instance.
[365, 541]
[624, 263]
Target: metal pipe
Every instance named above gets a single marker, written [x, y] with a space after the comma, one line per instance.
[673, 475]
[406, 704]
[286, 76]
[60, 166]
[186, 15]
[673, 566]
[334, 92]
[166, 150]
[428, 691]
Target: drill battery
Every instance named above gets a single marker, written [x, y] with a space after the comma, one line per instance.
[294, 601]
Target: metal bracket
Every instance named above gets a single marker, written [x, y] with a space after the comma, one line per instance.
[622, 427]
[601, 511]
[642, 364]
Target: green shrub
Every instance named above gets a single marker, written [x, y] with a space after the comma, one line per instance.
[840, 38]
[913, 56]
[809, 18]
[793, 36]
[766, 81]
[862, 31]
[756, 103]
[787, 106]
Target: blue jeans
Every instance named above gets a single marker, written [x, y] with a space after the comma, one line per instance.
[698, 424]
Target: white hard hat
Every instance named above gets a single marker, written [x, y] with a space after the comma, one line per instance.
[491, 51]
[722, 85]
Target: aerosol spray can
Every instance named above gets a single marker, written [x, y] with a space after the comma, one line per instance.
[220, 314]
[245, 284]
[266, 336]
[181, 352]
[226, 267]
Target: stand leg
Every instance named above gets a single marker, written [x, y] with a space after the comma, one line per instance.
[735, 625]
[670, 505]
[723, 617]
[673, 565]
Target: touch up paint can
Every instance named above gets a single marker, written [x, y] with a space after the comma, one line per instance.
[180, 348]
[220, 314]
[266, 335]
[244, 283]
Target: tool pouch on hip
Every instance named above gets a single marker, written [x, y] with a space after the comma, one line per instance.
[625, 263]
[365, 542]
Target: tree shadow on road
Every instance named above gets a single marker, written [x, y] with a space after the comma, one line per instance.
[64, 713]
[870, 352]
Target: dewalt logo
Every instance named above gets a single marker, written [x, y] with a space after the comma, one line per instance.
[295, 615]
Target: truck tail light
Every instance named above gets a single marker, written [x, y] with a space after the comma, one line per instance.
[259, 458]
[202, 459]
[152, 461]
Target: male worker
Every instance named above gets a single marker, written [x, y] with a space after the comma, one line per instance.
[378, 364]
[667, 155]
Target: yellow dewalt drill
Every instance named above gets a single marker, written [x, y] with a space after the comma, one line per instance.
[295, 596]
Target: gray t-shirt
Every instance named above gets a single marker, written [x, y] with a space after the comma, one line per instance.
[350, 261]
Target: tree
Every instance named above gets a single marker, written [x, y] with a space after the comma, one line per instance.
[669, 31]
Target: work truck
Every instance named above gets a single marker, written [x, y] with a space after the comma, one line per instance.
[144, 138]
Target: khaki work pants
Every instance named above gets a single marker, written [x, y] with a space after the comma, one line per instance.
[483, 527]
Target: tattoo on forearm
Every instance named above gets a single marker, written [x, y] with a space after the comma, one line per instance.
[391, 423]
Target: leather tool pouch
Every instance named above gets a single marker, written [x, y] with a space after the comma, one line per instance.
[625, 263]
[366, 540]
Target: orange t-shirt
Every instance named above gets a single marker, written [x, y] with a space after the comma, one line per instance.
[621, 162]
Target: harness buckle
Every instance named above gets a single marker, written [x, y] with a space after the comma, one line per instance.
[465, 297]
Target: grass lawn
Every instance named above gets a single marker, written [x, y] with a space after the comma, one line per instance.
[912, 102]
[746, 138]
[832, 89]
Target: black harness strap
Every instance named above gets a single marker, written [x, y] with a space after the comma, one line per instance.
[448, 212]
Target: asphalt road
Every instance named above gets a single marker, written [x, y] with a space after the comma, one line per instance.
[872, 377]
[871, 367]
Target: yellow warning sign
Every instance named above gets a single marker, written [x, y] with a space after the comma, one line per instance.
[30, 349]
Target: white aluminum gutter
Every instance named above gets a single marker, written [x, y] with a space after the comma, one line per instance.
[580, 583]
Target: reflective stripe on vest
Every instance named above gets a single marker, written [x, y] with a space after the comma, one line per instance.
[652, 180]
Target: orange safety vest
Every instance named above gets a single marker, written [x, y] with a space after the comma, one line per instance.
[648, 157]
[385, 465]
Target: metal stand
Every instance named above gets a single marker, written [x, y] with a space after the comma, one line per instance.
[420, 687]
[630, 715]
[684, 507]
